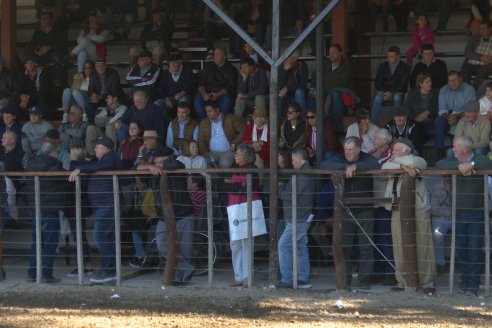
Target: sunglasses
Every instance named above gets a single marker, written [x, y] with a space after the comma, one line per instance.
[309, 117]
[290, 112]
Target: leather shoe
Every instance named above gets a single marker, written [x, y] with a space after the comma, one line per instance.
[397, 289]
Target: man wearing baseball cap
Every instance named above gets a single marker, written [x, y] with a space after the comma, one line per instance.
[101, 198]
[34, 131]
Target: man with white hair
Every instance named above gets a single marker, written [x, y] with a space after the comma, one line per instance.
[469, 211]
[426, 263]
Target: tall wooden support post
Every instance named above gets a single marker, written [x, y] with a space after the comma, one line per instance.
[340, 25]
[8, 17]
[408, 235]
[340, 272]
[320, 51]
[172, 239]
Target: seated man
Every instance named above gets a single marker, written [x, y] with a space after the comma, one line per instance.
[218, 134]
[158, 32]
[391, 83]
[34, 131]
[478, 56]
[143, 110]
[292, 83]
[105, 81]
[10, 122]
[337, 81]
[437, 68]
[475, 126]
[252, 87]
[403, 127]
[217, 82]
[72, 133]
[176, 86]
[144, 75]
[182, 128]
[452, 100]
[178, 192]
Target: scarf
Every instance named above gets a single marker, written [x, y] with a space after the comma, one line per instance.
[264, 133]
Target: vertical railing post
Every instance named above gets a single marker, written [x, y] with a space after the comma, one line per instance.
[337, 242]
[37, 206]
[486, 233]
[249, 197]
[294, 231]
[408, 231]
[210, 227]
[117, 228]
[78, 230]
[453, 234]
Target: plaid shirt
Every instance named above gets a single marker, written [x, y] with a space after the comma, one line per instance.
[483, 48]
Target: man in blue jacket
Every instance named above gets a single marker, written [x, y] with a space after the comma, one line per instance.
[101, 198]
[353, 161]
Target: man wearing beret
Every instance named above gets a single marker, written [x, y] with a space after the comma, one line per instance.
[101, 197]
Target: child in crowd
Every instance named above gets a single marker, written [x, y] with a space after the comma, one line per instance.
[486, 102]
[422, 34]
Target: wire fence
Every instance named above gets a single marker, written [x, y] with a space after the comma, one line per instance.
[54, 228]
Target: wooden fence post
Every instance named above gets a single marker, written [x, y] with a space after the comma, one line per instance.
[341, 276]
[408, 234]
[170, 221]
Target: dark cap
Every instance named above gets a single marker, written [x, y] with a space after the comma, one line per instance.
[28, 58]
[400, 111]
[163, 151]
[175, 57]
[35, 110]
[145, 54]
[472, 106]
[52, 134]
[105, 141]
[9, 109]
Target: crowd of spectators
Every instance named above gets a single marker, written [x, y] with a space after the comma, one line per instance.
[171, 119]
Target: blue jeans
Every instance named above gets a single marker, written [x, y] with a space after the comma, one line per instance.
[285, 253]
[74, 97]
[441, 127]
[105, 240]
[50, 229]
[440, 227]
[226, 104]
[469, 244]
[379, 100]
[299, 97]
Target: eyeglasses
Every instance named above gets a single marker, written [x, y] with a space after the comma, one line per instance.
[72, 114]
[310, 117]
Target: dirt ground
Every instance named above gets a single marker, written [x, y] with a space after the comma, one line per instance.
[29, 305]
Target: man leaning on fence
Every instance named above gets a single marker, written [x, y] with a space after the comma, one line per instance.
[101, 197]
[469, 211]
[426, 263]
[358, 220]
[305, 196]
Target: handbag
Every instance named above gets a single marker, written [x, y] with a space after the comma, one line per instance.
[238, 220]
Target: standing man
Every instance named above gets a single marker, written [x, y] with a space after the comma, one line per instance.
[469, 211]
[353, 161]
[426, 263]
[391, 83]
[305, 197]
[101, 197]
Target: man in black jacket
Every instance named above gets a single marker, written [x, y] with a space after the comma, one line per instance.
[353, 161]
[183, 211]
[52, 195]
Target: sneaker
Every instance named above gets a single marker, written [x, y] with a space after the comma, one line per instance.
[303, 284]
[103, 279]
[75, 273]
[283, 285]
[65, 118]
[137, 262]
[50, 280]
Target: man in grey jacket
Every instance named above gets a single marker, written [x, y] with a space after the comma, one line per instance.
[305, 196]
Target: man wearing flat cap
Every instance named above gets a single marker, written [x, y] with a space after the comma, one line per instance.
[404, 158]
[403, 127]
[144, 75]
[476, 127]
[101, 197]
[177, 183]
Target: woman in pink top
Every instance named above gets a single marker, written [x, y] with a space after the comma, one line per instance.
[422, 34]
